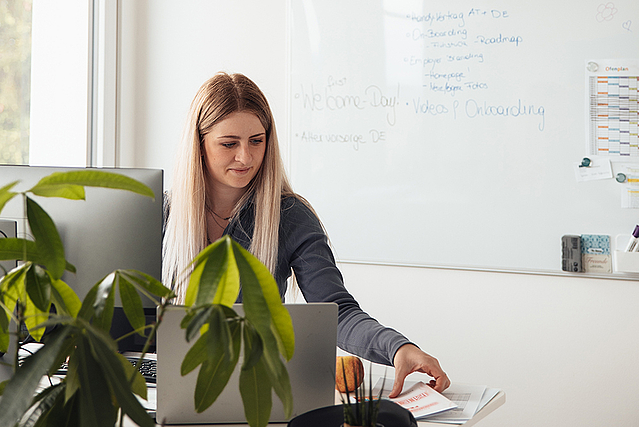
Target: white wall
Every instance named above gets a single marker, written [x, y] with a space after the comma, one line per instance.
[564, 349]
[169, 48]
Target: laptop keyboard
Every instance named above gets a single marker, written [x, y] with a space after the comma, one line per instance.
[148, 368]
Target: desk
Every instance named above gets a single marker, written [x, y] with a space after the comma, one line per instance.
[495, 403]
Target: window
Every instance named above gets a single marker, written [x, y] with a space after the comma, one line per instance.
[58, 100]
[15, 80]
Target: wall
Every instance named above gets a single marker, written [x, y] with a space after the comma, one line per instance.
[170, 48]
[563, 348]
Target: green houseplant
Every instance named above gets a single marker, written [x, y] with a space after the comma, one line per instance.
[101, 386]
[364, 410]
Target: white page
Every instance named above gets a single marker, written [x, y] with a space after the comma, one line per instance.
[466, 397]
[487, 397]
[418, 397]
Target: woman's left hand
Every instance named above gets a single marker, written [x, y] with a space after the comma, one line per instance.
[408, 359]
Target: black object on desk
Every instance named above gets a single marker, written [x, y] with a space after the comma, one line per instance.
[390, 415]
[120, 326]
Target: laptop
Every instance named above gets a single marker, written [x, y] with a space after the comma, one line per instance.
[311, 370]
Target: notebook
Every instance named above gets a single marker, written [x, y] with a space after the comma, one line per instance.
[311, 370]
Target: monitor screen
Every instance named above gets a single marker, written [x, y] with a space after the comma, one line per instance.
[111, 229]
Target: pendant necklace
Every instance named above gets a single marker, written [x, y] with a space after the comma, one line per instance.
[214, 214]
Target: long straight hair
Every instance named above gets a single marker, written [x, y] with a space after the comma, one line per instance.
[186, 232]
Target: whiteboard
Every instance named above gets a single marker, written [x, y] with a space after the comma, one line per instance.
[446, 133]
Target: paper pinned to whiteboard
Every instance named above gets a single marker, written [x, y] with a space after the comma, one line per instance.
[599, 168]
[611, 107]
[630, 188]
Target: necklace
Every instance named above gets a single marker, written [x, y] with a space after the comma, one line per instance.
[218, 224]
[208, 208]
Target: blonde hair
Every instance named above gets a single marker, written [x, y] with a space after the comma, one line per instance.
[185, 234]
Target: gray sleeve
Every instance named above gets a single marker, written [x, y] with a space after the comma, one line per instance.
[320, 280]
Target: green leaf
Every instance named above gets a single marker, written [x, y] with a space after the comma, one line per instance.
[229, 286]
[278, 375]
[196, 319]
[14, 249]
[131, 304]
[72, 378]
[148, 283]
[139, 383]
[34, 317]
[4, 332]
[67, 348]
[66, 191]
[255, 389]
[96, 407]
[197, 354]
[194, 285]
[212, 272]
[91, 178]
[253, 347]
[62, 413]
[220, 336]
[258, 274]
[45, 401]
[6, 194]
[39, 287]
[215, 278]
[20, 390]
[104, 302]
[116, 377]
[48, 241]
[87, 310]
[215, 372]
[211, 381]
[65, 299]
[199, 351]
[105, 290]
[259, 289]
[13, 286]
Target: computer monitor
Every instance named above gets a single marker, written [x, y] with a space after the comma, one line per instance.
[111, 229]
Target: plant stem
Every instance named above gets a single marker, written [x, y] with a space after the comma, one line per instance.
[18, 334]
[22, 299]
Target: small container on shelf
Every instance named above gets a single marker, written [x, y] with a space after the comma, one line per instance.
[625, 261]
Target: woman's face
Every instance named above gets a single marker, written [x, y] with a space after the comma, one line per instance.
[233, 151]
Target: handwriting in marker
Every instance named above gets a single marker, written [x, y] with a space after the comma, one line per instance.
[605, 12]
[626, 25]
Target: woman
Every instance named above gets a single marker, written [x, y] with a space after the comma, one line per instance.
[229, 179]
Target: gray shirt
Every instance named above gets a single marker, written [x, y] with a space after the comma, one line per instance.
[304, 249]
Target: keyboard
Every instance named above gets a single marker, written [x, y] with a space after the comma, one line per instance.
[148, 367]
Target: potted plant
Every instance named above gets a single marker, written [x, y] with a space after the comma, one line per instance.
[364, 409]
[101, 386]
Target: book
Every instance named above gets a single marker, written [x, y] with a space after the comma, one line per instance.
[595, 253]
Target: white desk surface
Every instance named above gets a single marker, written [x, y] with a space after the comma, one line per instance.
[495, 403]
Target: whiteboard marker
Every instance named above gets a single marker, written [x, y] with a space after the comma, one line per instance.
[634, 240]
